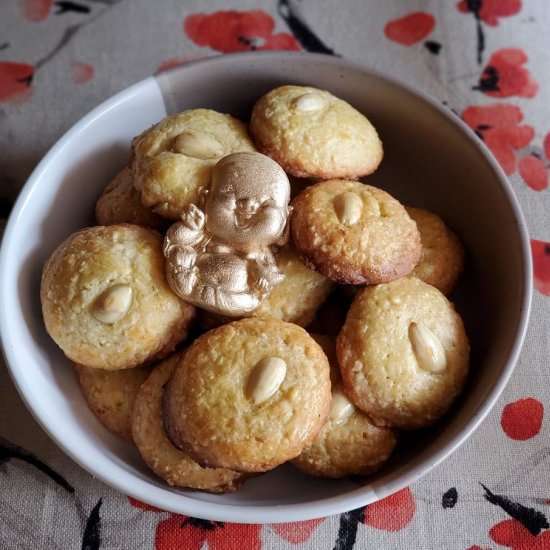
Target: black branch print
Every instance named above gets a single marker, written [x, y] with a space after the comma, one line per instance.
[488, 81]
[91, 539]
[533, 520]
[9, 452]
[204, 524]
[301, 31]
[66, 6]
[347, 532]
[71, 32]
[475, 7]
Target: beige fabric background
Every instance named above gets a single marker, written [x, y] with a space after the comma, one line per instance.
[125, 41]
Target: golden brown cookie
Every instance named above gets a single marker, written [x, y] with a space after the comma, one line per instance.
[295, 299]
[121, 203]
[249, 395]
[354, 233]
[167, 461]
[310, 132]
[172, 160]
[105, 300]
[403, 353]
[442, 258]
[349, 443]
[111, 394]
[299, 295]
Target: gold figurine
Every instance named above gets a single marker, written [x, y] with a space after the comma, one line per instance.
[220, 256]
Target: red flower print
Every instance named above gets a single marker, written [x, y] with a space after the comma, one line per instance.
[15, 81]
[534, 172]
[191, 534]
[411, 28]
[540, 251]
[490, 10]
[35, 10]
[82, 72]
[547, 146]
[512, 534]
[498, 126]
[296, 532]
[237, 31]
[505, 76]
[522, 419]
[392, 513]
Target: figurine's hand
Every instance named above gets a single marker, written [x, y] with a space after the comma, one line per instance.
[263, 284]
[193, 217]
[267, 275]
[269, 220]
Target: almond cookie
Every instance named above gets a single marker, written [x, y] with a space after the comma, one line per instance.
[167, 461]
[105, 299]
[403, 353]
[310, 132]
[174, 159]
[349, 443]
[354, 233]
[111, 394]
[299, 295]
[249, 395]
[121, 203]
[442, 258]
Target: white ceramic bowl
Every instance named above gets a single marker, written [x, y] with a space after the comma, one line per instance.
[432, 160]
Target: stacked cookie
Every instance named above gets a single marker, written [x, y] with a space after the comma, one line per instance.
[245, 389]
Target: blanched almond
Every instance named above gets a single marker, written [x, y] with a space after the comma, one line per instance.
[112, 304]
[200, 146]
[427, 348]
[266, 378]
[309, 102]
[341, 408]
[348, 207]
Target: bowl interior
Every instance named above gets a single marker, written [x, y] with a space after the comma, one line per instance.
[430, 161]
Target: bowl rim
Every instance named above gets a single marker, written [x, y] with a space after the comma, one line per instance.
[127, 484]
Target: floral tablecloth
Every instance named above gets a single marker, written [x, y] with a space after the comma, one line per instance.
[487, 60]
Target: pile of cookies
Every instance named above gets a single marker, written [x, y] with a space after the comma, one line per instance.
[245, 300]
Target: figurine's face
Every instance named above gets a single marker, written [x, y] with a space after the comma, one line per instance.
[247, 203]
